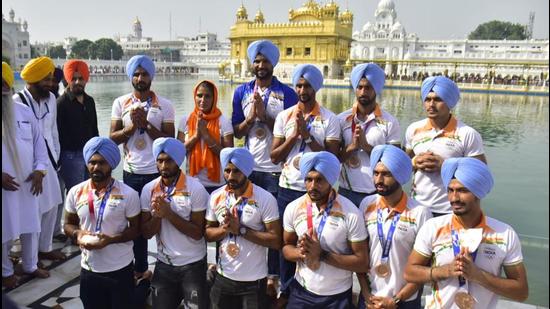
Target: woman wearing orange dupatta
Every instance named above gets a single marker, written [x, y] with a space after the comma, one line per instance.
[205, 132]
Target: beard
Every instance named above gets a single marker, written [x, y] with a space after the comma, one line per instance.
[8, 132]
[304, 98]
[77, 90]
[99, 176]
[318, 196]
[366, 101]
[235, 185]
[263, 74]
[169, 173]
[142, 86]
[43, 92]
[387, 190]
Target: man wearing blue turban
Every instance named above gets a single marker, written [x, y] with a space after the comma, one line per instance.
[256, 104]
[307, 127]
[137, 119]
[438, 137]
[325, 234]
[364, 126]
[392, 210]
[173, 209]
[468, 250]
[103, 219]
[244, 219]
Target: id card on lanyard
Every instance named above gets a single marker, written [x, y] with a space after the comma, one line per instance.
[101, 210]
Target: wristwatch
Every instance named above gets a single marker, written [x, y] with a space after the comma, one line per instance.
[308, 140]
[396, 299]
[242, 231]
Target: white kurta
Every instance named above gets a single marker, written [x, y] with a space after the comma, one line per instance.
[20, 209]
[46, 115]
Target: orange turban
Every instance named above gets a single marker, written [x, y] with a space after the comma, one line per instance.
[37, 69]
[72, 66]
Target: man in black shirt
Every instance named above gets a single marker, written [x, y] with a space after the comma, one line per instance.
[76, 123]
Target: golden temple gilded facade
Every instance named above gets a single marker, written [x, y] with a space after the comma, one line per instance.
[316, 34]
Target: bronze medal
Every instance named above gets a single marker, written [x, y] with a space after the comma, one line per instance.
[354, 161]
[464, 300]
[233, 250]
[260, 133]
[382, 270]
[296, 162]
[140, 143]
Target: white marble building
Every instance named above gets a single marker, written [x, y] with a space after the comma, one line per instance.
[386, 41]
[15, 41]
[204, 52]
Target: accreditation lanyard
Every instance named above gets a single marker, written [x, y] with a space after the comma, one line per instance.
[237, 209]
[101, 207]
[308, 126]
[456, 251]
[386, 245]
[34, 111]
[147, 106]
[321, 225]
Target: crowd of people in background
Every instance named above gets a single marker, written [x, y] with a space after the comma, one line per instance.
[311, 200]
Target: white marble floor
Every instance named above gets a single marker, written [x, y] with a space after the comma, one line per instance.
[61, 289]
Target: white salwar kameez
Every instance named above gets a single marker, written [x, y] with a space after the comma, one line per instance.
[20, 209]
[46, 115]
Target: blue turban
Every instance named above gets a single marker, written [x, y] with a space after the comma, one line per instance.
[394, 159]
[323, 162]
[472, 173]
[310, 73]
[374, 74]
[170, 146]
[264, 47]
[240, 157]
[443, 87]
[140, 61]
[105, 147]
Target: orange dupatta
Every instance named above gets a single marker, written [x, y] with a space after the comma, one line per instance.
[202, 157]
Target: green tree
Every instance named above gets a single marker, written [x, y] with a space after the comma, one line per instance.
[57, 52]
[6, 59]
[106, 48]
[498, 30]
[81, 49]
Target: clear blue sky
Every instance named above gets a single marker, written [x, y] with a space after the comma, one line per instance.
[430, 19]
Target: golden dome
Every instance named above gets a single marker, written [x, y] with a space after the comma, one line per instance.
[241, 13]
[259, 18]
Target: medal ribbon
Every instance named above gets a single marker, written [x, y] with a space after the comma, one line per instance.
[101, 206]
[456, 251]
[146, 107]
[326, 213]
[169, 190]
[308, 126]
[386, 245]
[236, 210]
[265, 99]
